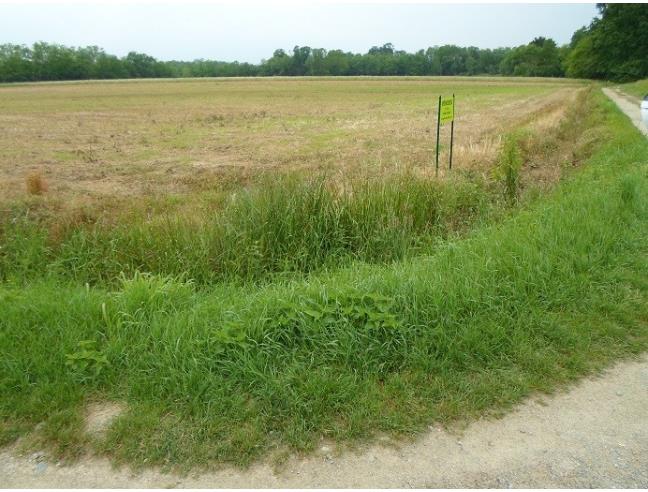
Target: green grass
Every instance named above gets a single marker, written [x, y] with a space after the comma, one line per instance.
[219, 372]
[638, 89]
[283, 224]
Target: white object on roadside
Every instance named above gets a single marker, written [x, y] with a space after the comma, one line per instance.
[644, 110]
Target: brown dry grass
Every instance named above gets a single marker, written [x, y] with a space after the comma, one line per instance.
[115, 143]
[35, 184]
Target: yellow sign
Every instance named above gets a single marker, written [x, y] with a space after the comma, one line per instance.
[447, 110]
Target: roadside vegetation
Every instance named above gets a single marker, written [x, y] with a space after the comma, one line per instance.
[279, 225]
[638, 89]
[409, 301]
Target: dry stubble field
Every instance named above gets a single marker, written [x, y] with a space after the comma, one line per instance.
[97, 140]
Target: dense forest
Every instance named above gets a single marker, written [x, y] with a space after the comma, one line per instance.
[612, 47]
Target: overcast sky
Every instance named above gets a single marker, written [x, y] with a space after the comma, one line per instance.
[252, 31]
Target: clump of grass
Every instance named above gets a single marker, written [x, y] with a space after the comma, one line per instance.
[570, 142]
[283, 224]
[35, 184]
[639, 89]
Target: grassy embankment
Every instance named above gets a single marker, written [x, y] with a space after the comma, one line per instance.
[224, 372]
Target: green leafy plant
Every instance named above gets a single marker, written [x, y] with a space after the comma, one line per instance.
[87, 362]
[231, 335]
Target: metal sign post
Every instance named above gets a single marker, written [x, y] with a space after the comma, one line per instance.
[445, 114]
[436, 168]
[452, 131]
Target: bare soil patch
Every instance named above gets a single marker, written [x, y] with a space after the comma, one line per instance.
[100, 416]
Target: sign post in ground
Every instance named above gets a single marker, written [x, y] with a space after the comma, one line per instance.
[436, 166]
[445, 114]
[451, 131]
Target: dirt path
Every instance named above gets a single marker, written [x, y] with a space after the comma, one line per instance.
[629, 106]
[595, 435]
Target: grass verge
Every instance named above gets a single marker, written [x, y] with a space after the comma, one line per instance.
[638, 89]
[281, 224]
[227, 373]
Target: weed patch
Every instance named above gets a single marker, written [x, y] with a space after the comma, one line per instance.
[509, 167]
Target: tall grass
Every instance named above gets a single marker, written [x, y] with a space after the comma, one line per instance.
[283, 224]
[509, 166]
[226, 372]
[638, 89]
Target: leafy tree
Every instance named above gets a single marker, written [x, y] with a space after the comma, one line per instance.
[613, 47]
[316, 63]
[279, 64]
[337, 62]
[140, 65]
[385, 49]
[15, 63]
[299, 60]
[540, 58]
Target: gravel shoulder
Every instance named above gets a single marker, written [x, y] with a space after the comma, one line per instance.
[595, 435]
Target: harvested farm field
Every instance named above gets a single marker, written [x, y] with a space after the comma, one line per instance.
[119, 139]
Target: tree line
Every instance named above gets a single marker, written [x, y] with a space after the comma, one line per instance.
[613, 47]
[45, 61]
